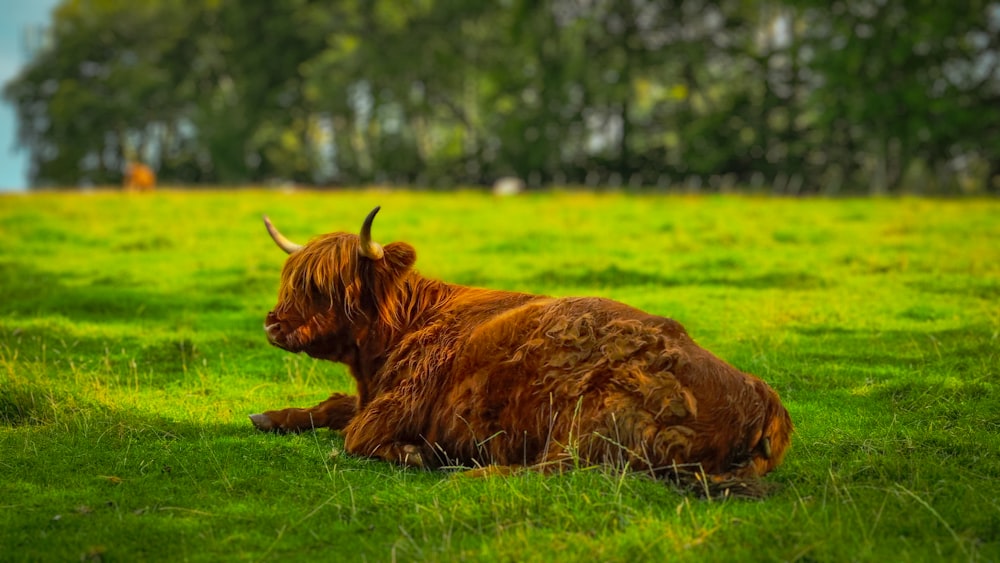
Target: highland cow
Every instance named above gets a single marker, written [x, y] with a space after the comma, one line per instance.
[449, 375]
[139, 178]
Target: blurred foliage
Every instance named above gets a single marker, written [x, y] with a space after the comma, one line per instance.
[798, 96]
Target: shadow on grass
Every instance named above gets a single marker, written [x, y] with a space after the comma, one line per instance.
[64, 353]
[107, 446]
[967, 286]
[615, 276]
[30, 291]
[866, 361]
[957, 347]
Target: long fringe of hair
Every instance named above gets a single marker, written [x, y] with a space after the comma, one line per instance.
[330, 267]
[323, 268]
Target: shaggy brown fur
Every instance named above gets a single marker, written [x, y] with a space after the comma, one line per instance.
[453, 375]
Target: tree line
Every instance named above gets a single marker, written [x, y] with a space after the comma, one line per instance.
[793, 96]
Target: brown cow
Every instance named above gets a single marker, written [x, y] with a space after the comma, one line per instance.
[452, 375]
[139, 178]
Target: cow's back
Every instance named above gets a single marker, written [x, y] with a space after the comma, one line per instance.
[527, 381]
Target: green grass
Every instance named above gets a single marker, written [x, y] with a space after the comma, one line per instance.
[131, 351]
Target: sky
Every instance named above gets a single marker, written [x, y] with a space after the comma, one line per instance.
[18, 15]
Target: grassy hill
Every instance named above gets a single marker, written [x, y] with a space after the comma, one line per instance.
[132, 350]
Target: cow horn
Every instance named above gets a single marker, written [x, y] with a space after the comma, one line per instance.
[283, 243]
[369, 248]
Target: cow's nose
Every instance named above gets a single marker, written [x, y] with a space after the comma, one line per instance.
[273, 331]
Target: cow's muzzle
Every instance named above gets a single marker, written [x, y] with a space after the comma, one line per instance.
[275, 334]
[275, 331]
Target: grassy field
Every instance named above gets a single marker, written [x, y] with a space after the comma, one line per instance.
[132, 350]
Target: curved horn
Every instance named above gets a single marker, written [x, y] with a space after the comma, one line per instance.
[369, 248]
[283, 243]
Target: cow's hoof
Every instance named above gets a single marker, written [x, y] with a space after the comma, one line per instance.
[262, 422]
[412, 457]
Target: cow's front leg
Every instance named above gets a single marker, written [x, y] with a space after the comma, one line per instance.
[380, 431]
[333, 413]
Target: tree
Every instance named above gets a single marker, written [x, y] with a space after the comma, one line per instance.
[98, 96]
[809, 96]
[904, 82]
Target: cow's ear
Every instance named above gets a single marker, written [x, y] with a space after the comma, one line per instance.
[399, 257]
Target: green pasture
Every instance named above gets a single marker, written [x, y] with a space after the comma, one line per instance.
[132, 351]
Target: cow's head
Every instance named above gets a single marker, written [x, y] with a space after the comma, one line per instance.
[334, 290]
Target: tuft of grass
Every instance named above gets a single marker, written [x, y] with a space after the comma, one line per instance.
[131, 351]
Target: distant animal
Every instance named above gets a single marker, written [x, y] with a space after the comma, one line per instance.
[449, 375]
[508, 186]
[139, 178]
